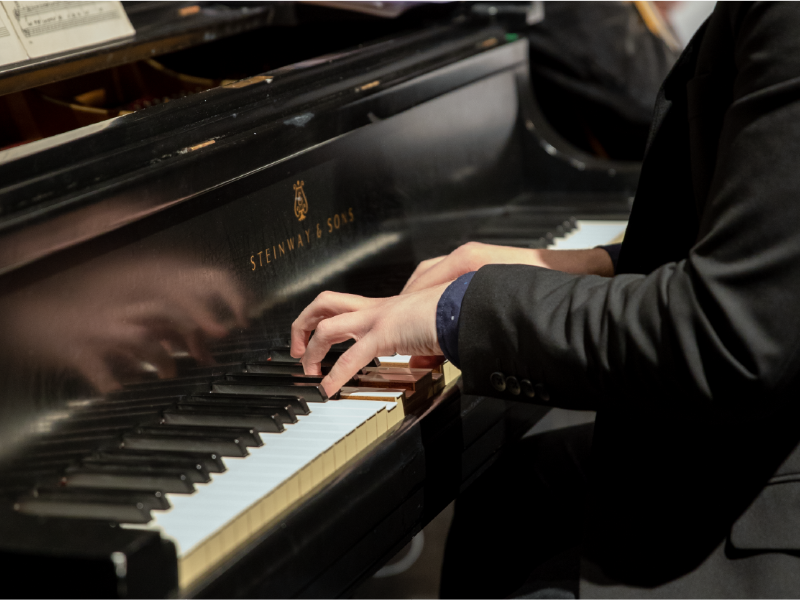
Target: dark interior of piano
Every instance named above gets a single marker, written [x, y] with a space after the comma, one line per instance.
[170, 201]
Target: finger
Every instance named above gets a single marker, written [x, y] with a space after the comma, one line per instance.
[198, 349]
[205, 319]
[184, 315]
[136, 345]
[152, 352]
[179, 334]
[347, 326]
[95, 370]
[422, 268]
[445, 270]
[356, 358]
[325, 306]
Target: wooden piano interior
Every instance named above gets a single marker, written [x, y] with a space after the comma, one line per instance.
[163, 221]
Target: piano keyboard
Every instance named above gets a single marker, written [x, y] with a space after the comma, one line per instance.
[588, 234]
[217, 519]
[224, 456]
[230, 453]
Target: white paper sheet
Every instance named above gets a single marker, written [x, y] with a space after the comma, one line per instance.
[11, 49]
[51, 27]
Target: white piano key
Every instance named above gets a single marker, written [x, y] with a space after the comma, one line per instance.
[588, 234]
[397, 358]
[195, 517]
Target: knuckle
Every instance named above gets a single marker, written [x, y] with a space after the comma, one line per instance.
[470, 247]
[323, 329]
[470, 251]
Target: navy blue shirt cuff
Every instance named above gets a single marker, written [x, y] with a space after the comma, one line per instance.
[447, 314]
[613, 252]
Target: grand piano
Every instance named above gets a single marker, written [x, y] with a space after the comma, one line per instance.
[155, 437]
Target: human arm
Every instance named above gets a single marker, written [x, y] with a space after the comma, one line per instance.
[474, 255]
[717, 326]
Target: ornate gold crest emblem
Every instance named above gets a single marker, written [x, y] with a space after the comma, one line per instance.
[300, 201]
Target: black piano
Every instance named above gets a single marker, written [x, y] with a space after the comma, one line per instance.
[151, 265]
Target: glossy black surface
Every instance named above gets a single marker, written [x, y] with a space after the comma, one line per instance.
[143, 261]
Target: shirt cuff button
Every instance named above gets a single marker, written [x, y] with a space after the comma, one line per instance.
[498, 381]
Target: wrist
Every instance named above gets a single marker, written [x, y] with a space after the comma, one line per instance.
[599, 262]
[594, 261]
[448, 311]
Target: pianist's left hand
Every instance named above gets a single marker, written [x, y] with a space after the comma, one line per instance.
[403, 324]
[474, 255]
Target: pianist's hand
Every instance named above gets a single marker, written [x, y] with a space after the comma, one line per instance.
[381, 326]
[474, 255]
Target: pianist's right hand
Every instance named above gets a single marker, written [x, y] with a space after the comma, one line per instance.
[474, 255]
[380, 326]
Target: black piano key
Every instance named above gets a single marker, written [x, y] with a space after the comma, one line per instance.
[271, 367]
[124, 512]
[279, 410]
[310, 392]
[270, 378]
[211, 462]
[174, 382]
[281, 354]
[206, 415]
[297, 405]
[216, 370]
[87, 423]
[528, 223]
[246, 435]
[122, 407]
[72, 446]
[153, 500]
[163, 387]
[194, 470]
[130, 478]
[220, 445]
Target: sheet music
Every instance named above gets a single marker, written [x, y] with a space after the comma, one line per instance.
[11, 49]
[51, 27]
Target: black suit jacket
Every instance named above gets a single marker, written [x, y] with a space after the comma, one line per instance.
[690, 354]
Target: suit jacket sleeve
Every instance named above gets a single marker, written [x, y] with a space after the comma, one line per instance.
[721, 326]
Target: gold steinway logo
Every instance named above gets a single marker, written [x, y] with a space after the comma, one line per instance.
[300, 201]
